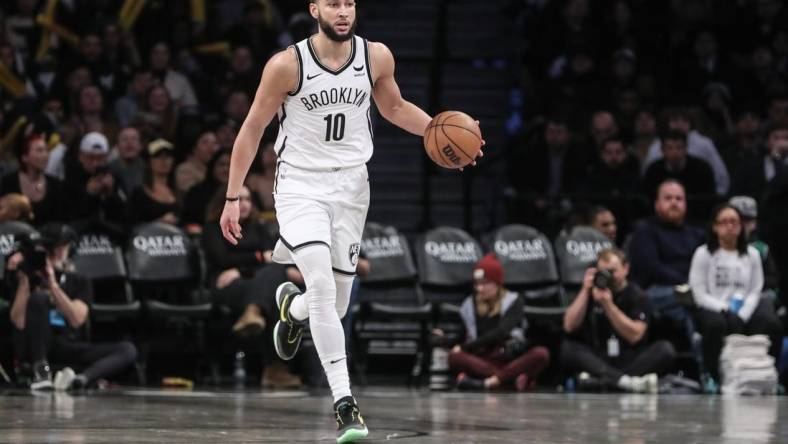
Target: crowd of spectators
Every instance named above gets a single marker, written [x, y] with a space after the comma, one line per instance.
[647, 115]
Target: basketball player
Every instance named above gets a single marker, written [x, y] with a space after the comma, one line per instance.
[321, 89]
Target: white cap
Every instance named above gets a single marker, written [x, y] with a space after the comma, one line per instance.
[95, 143]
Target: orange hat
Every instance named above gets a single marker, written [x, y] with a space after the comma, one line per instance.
[489, 268]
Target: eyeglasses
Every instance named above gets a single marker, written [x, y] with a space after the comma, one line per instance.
[730, 222]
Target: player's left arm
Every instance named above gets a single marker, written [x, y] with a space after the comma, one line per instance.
[387, 95]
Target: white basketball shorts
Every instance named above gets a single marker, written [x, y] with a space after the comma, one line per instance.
[321, 207]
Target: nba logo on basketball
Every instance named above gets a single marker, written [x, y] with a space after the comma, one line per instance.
[355, 249]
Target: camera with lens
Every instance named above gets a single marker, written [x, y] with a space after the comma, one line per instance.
[34, 249]
[603, 279]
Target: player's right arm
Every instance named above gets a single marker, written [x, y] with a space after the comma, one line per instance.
[280, 76]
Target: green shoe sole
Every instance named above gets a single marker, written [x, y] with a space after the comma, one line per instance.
[353, 435]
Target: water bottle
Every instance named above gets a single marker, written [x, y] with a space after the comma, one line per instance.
[736, 303]
[239, 373]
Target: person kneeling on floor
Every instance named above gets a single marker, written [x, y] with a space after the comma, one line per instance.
[49, 311]
[606, 328]
[495, 348]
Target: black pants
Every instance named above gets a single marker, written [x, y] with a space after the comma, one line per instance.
[651, 358]
[260, 290]
[715, 326]
[39, 341]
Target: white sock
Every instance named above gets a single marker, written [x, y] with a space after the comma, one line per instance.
[327, 333]
[299, 310]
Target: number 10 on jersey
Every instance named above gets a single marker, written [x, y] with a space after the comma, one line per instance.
[335, 127]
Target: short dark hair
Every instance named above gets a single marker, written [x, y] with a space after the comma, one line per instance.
[674, 135]
[595, 211]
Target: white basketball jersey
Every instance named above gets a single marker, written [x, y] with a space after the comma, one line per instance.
[325, 122]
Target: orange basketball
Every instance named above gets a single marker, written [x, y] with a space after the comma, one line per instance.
[452, 139]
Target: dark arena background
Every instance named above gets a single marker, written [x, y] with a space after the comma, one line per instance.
[630, 213]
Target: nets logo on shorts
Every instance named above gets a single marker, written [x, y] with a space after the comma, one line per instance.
[355, 249]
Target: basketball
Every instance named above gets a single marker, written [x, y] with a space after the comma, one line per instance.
[453, 139]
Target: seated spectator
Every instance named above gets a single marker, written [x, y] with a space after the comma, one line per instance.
[156, 199]
[127, 165]
[661, 251]
[748, 210]
[614, 175]
[607, 324]
[196, 200]
[126, 107]
[262, 182]
[49, 312]
[90, 115]
[15, 206]
[494, 347]
[645, 137]
[158, 116]
[604, 221]
[752, 176]
[746, 141]
[774, 218]
[726, 280]
[698, 146]
[46, 194]
[178, 86]
[192, 171]
[244, 279]
[676, 163]
[95, 190]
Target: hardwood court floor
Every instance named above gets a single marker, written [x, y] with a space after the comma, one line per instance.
[155, 416]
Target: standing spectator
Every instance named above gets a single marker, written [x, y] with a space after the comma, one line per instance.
[178, 85]
[698, 146]
[46, 193]
[607, 324]
[726, 280]
[192, 170]
[127, 165]
[494, 342]
[752, 176]
[661, 250]
[94, 189]
[156, 199]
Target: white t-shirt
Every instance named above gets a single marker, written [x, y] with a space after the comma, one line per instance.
[717, 278]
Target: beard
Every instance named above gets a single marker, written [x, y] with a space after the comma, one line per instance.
[332, 35]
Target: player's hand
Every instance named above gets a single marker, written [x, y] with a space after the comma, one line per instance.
[481, 152]
[231, 230]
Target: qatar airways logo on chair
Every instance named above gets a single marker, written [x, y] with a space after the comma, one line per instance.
[95, 245]
[452, 252]
[383, 246]
[586, 251]
[161, 245]
[521, 250]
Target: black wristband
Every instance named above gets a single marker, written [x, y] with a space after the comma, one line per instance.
[232, 199]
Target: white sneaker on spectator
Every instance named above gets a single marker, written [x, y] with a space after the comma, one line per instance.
[64, 378]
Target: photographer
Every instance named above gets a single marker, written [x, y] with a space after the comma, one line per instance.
[494, 347]
[606, 326]
[94, 189]
[50, 308]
